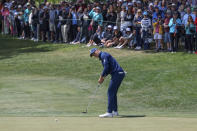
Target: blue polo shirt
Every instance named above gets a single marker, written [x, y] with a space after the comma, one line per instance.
[110, 64]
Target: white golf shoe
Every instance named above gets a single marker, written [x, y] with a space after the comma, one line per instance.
[115, 113]
[106, 115]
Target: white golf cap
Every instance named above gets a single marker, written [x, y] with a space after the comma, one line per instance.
[28, 4]
[115, 27]
[138, 2]
[19, 6]
[134, 1]
[120, 0]
[173, 4]
[130, 4]
[98, 8]
[128, 29]
[151, 4]
[109, 26]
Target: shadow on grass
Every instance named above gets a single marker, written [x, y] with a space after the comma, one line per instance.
[10, 47]
[130, 116]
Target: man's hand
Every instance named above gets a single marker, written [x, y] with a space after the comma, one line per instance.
[101, 79]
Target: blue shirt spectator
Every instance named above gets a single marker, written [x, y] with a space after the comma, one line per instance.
[96, 16]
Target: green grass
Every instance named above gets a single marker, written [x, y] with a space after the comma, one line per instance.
[96, 124]
[43, 79]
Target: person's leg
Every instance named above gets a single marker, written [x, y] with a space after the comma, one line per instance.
[176, 42]
[195, 47]
[112, 91]
[168, 42]
[66, 32]
[172, 41]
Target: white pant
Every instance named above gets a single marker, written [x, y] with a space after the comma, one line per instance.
[65, 28]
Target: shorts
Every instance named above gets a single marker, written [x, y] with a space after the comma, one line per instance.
[157, 36]
[51, 27]
[167, 37]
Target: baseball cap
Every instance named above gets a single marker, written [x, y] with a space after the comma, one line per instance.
[151, 4]
[109, 26]
[98, 8]
[19, 6]
[115, 27]
[128, 29]
[134, 1]
[145, 13]
[130, 4]
[92, 51]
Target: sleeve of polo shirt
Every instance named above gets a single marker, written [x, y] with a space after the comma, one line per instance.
[106, 66]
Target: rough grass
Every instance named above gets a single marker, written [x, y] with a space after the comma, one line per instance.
[43, 79]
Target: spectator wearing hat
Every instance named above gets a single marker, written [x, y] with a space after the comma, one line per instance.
[107, 36]
[97, 18]
[146, 24]
[174, 8]
[174, 24]
[116, 36]
[17, 21]
[158, 32]
[167, 39]
[190, 30]
[95, 39]
[125, 39]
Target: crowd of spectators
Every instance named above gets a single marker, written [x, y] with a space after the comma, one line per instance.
[162, 25]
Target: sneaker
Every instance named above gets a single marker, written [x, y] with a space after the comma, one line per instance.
[35, 40]
[106, 115]
[115, 113]
[138, 48]
[88, 45]
[116, 47]
[120, 47]
[96, 44]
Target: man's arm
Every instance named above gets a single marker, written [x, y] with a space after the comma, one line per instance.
[105, 70]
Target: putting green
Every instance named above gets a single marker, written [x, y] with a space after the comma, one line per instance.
[97, 124]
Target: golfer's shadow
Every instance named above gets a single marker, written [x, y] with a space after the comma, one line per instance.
[129, 116]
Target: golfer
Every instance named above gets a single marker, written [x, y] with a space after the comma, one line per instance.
[111, 67]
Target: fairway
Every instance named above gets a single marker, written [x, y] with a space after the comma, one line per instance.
[97, 124]
[41, 82]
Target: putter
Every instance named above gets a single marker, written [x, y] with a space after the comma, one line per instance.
[91, 100]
